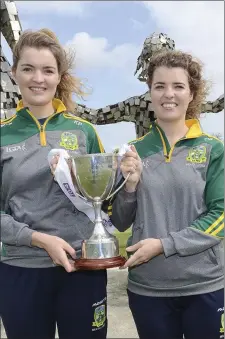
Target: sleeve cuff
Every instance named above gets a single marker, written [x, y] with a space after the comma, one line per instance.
[128, 196]
[25, 237]
[168, 246]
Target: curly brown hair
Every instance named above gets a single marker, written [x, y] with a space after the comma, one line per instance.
[45, 38]
[198, 86]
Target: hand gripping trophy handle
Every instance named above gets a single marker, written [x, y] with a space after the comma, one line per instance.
[95, 175]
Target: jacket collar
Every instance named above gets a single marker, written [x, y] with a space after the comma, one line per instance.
[194, 128]
[58, 105]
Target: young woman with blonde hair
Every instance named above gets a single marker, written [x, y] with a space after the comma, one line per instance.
[41, 230]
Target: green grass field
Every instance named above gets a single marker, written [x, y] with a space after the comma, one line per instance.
[123, 237]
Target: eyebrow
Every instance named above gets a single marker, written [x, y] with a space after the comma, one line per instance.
[163, 83]
[29, 65]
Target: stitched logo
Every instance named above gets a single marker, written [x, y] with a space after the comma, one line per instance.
[16, 148]
[99, 316]
[69, 141]
[197, 155]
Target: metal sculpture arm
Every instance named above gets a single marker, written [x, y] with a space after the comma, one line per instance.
[214, 106]
[137, 109]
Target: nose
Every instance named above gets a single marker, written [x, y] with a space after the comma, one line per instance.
[38, 76]
[169, 92]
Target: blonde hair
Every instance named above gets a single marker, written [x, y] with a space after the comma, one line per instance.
[198, 86]
[45, 38]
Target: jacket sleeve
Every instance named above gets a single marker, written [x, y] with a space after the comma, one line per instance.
[208, 229]
[14, 232]
[122, 210]
[94, 142]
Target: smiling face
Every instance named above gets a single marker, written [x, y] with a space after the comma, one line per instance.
[37, 76]
[170, 93]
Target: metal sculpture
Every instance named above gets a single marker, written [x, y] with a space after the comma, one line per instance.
[136, 109]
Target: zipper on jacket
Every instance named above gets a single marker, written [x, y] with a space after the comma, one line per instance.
[42, 136]
[168, 159]
[165, 152]
[167, 155]
[41, 128]
[172, 148]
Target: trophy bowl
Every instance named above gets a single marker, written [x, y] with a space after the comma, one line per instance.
[95, 176]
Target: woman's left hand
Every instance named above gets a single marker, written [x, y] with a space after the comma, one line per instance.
[144, 251]
[54, 162]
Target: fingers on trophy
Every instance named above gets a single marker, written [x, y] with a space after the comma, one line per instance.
[95, 177]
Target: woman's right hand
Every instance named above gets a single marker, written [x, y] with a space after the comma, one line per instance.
[57, 249]
[54, 163]
[131, 163]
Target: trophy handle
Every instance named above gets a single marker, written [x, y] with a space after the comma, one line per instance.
[111, 195]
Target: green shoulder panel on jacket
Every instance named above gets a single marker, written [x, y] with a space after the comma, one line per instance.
[215, 143]
[93, 140]
[15, 130]
[148, 145]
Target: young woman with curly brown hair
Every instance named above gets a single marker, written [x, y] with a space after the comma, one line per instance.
[174, 198]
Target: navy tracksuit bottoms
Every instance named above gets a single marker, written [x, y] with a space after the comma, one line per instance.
[192, 317]
[34, 300]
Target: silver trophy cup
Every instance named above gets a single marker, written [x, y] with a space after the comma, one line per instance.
[95, 176]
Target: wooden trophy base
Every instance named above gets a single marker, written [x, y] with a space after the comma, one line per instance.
[99, 264]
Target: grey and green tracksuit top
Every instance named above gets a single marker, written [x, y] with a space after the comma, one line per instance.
[180, 200]
[31, 200]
